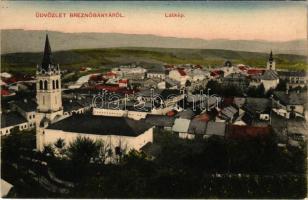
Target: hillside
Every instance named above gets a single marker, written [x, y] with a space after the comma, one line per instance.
[18, 40]
[103, 59]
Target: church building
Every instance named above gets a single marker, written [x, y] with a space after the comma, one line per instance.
[270, 78]
[51, 124]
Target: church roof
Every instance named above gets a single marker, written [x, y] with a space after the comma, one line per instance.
[101, 125]
[270, 75]
[47, 57]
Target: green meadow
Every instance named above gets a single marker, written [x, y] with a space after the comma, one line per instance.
[103, 59]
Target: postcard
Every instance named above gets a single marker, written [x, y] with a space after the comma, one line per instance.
[154, 99]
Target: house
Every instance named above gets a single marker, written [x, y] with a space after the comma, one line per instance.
[151, 83]
[244, 132]
[294, 78]
[228, 114]
[186, 114]
[110, 75]
[290, 103]
[72, 106]
[27, 109]
[115, 132]
[215, 129]
[160, 121]
[172, 84]
[216, 74]
[244, 119]
[12, 120]
[179, 75]
[198, 74]
[180, 127]
[196, 129]
[259, 108]
[156, 73]
[297, 129]
[130, 72]
[121, 110]
[123, 83]
[168, 97]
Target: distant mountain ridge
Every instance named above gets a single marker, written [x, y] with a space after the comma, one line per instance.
[18, 40]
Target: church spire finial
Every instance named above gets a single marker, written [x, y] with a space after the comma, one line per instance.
[271, 56]
[47, 58]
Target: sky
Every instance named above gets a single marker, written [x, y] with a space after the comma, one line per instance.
[272, 21]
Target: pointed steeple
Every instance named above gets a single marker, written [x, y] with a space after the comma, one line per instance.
[271, 57]
[47, 58]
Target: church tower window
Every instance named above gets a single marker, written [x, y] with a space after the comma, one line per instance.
[41, 85]
[45, 84]
[53, 84]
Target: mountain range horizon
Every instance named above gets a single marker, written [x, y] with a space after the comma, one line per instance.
[32, 41]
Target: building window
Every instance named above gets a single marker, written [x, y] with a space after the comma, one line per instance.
[45, 84]
[53, 84]
[41, 85]
[43, 100]
[57, 84]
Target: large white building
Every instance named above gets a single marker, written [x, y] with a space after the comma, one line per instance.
[52, 124]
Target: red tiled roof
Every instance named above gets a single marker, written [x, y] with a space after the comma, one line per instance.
[243, 68]
[254, 71]
[227, 101]
[203, 117]
[96, 78]
[182, 72]
[241, 132]
[110, 74]
[171, 113]
[4, 92]
[216, 72]
[123, 81]
[115, 88]
[82, 68]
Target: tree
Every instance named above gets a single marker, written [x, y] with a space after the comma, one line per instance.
[282, 85]
[60, 147]
[49, 151]
[60, 143]
[84, 150]
[258, 91]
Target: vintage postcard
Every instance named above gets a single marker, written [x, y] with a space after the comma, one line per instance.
[154, 99]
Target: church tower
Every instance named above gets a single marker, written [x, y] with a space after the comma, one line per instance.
[271, 65]
[48, 94]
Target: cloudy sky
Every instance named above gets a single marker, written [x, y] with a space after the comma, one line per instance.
[276, 21]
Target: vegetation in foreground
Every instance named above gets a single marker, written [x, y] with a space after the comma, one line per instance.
[213, 168]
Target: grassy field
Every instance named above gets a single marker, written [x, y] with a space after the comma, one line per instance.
[104, 59]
